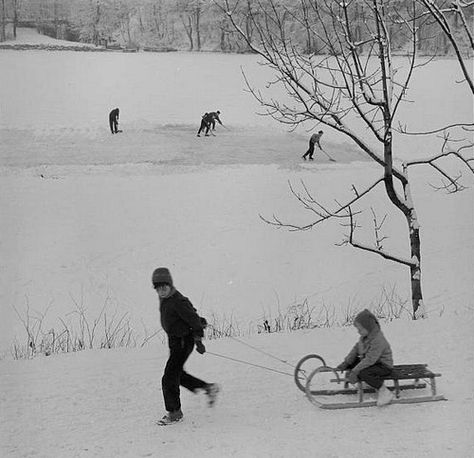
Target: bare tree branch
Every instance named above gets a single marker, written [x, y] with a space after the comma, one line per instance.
[439, 14]
[403, 130]
[310, 203]
[376, 250]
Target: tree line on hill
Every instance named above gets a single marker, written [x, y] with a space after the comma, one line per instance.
[193, 25]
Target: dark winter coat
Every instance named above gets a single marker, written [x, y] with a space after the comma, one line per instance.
[114, 115]
[315, 139]
[213, 117]
[178, 316]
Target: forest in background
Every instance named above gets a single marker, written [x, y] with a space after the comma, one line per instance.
[198, 25]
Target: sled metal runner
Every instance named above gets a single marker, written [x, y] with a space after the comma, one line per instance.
[418, 376]
[372, 403]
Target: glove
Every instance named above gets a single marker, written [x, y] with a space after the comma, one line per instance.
[353, 378]
[203, 322]
[342, 367]
[200, 348]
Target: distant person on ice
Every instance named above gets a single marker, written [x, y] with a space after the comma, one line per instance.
[184, 328]
[314, 139]
[113, 120]
[204, 124]
[371, 357]
[214, 116]
[208, 122]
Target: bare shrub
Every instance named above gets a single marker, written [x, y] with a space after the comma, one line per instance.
[222, 327]
[78, 330]
[81, 329]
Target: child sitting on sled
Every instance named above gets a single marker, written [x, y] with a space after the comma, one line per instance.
[371, 357]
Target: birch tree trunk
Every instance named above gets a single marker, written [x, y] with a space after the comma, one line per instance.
[418, 306]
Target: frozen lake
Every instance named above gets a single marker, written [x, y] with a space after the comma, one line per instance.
[70, 90]
[171, 88]
[87, 216]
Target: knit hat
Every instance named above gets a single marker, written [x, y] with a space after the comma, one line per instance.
[161, 275]
[367, 320]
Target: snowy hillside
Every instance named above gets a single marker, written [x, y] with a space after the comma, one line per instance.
[104, 403]
[30, 36]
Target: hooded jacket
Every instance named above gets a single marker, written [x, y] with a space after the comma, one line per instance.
[371, 349]
[178, 316]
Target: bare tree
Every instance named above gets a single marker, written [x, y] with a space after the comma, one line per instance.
[356, 94]
[125, 12]
[246, 13]
[95, 17]
[461, 14]
[190, 13]
[158, 14]
[3, 20]
[249, 15]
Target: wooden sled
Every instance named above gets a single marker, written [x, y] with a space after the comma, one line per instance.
[418, 376]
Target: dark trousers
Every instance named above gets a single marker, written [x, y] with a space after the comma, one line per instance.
[373, 375]
[204, 125]
[310, 151]
[174, 375]
[113, 125]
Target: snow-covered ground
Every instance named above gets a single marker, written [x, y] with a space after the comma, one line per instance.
[94, 233]
[104, 403]
[87, 216]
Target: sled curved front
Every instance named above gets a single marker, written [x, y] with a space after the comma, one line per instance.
[314, 392]
[306, 366]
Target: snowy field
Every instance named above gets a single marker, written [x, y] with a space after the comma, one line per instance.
[87, 216]
[104, 403]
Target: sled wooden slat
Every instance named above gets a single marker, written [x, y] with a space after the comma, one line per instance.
[411, 371]
[405, 372]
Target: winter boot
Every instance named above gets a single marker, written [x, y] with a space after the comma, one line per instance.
[171, 418]
[211, 391]
[384, 396]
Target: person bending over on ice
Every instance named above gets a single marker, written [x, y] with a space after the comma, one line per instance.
[204, 124]
[314, 139]
[371, 357]
[208, 122]
[113, 120]
[184, 328]
[214, 116]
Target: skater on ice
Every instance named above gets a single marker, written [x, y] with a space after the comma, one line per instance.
[371, 357]
[204, 124]
[208, 122]
[214, 116]
[184, 328]
[315, 138]
[113, 120]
